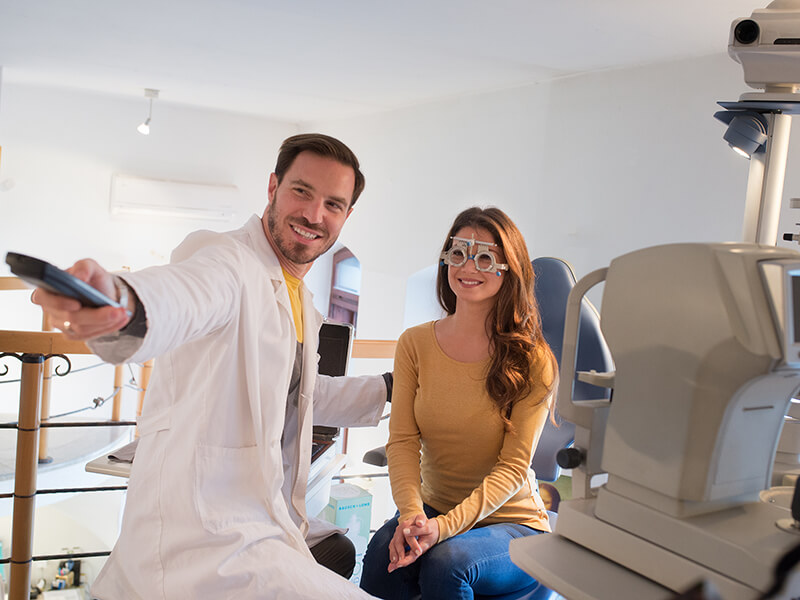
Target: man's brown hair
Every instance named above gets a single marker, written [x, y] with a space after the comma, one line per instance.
[321, 145]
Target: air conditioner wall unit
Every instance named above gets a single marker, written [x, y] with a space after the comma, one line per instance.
[132, 195]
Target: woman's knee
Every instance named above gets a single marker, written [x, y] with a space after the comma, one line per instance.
[449, 554]
[477, 560]
[446, 562]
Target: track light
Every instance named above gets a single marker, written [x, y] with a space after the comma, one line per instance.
[747, 131]
[144, 127]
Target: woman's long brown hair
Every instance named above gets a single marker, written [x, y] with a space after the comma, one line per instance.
[514, 324]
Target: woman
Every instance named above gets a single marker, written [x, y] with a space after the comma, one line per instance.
[471, 395]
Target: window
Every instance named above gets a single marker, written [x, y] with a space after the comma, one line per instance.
[345, 287]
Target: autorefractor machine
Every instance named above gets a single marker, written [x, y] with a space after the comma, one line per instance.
[706, 344]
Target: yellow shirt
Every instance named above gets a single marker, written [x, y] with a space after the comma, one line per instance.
[448, 446]
[293, 287]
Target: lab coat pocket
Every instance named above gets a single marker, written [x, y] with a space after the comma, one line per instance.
[227, 488]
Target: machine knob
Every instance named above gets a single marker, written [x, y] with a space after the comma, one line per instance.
[569, 458]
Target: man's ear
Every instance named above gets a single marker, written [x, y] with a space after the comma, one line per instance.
[271, 187]
[349, 210]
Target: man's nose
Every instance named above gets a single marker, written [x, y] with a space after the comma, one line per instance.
[313, 211]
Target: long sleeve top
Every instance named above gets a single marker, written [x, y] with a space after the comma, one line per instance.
[448, 446]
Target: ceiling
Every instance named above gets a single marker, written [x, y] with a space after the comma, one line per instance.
[307, 60]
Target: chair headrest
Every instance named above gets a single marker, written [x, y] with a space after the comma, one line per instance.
[554, 279]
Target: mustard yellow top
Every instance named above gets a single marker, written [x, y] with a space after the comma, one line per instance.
[293, 287]
[471, 469]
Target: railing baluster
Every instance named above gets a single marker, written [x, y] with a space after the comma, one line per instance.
[25, 476]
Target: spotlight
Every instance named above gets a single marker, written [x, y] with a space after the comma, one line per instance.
[747, 131]
[144, 127]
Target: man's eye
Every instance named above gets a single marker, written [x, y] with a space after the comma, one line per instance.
[335, 206]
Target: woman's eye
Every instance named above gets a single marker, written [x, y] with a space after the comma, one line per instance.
[457, 256]
[484, 260]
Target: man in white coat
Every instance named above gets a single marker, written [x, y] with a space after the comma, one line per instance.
[216, 500]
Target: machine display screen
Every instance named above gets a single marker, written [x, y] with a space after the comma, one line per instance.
[796, 306]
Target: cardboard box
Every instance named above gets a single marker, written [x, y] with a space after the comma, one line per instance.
[351, 507]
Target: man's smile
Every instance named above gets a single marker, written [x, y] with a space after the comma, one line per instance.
[304, 233]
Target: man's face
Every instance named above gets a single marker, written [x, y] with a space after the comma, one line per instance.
[307, 210]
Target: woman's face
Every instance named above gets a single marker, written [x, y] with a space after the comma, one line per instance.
[468, 283]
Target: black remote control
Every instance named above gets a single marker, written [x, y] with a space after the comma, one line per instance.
[44, 275]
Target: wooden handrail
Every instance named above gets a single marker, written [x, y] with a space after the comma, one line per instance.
[13, 283]
[373, 348]
[40, 342]
[54, 342]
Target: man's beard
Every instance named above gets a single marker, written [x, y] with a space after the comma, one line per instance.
[296, 252]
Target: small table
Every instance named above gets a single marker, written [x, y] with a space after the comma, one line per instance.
[106, 466]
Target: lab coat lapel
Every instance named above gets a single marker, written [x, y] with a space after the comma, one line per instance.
[275, 274]
[312, 320]
[282, 297]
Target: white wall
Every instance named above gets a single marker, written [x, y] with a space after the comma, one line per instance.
[60, 148]
[589, 167]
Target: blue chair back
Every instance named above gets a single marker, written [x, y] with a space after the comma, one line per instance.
[554, 280]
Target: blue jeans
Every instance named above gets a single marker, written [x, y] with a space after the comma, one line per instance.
[473, 562]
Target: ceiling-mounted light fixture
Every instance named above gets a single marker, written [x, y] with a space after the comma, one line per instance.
[747, 130]
[144, 127]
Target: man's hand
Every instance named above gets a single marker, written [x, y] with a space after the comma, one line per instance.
[412, 538]
[77, 322]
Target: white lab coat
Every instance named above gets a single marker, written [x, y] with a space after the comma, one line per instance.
[205, 516]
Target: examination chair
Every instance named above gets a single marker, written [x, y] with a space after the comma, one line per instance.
[554, 280]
